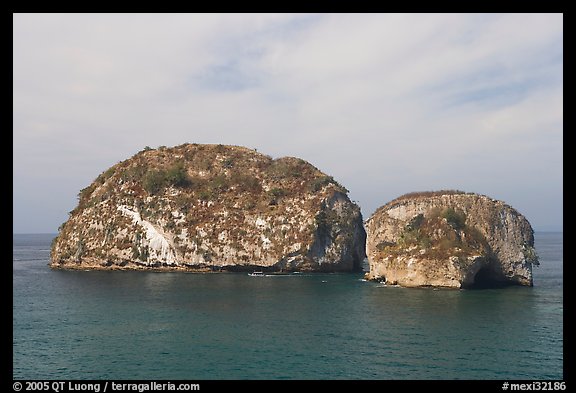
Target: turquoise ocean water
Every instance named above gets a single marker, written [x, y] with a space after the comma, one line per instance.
[145, 325]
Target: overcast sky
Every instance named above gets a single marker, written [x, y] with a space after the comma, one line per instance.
[385, 103]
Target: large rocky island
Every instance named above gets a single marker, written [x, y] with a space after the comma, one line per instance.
[450, 239]
[212, 207]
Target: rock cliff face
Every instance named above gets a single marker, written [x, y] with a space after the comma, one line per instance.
[212, 207]
[450, 239]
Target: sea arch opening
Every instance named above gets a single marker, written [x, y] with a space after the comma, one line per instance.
[487, 278]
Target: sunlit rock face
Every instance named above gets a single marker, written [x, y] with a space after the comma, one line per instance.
[449, 239]
[212, 207]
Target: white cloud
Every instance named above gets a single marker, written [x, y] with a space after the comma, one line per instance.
[387, 103]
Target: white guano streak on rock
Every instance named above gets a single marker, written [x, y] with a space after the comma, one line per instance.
[159, 247]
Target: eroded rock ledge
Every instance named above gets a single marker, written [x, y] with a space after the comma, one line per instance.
[210, 208]
[450, 239]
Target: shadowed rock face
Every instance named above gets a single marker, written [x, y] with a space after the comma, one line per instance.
[212, 207]
[450, 239]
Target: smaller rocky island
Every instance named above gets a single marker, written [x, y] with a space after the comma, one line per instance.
[450, 239]
[199, 207]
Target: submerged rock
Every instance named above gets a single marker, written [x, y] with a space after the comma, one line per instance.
[212, 207]
[450, 239]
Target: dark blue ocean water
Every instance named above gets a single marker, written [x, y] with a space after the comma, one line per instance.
[145, 325]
